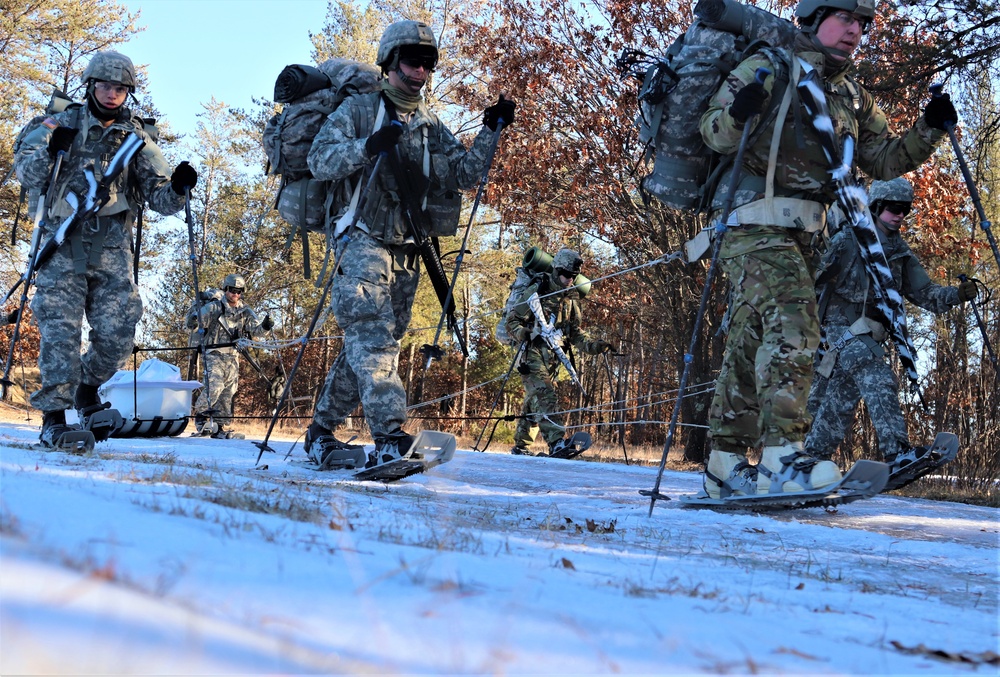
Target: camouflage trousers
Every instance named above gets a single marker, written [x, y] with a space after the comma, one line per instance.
[857, 373]
[110, 300]
[372, 301]
[222, 379]
[540, 400]
[760, 395]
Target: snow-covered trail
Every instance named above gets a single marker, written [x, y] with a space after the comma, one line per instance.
[176, 555]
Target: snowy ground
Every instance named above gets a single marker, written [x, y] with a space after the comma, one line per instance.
[176, 556]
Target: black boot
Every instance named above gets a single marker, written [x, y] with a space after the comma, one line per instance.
[54, 433]
[390, 447]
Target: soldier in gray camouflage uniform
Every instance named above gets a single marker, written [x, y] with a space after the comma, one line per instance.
[91, 272]
[225, 319]
[854, 364]
[377, 278]
[538, 364]
[761, 393]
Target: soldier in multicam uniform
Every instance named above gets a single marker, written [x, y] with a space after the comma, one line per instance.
[761, 393]
[375, 285]
[91, 272]
[225, 319]
[538, 364]
[854, 365]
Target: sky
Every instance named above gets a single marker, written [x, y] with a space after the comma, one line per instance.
[175, 556]
[230, 49]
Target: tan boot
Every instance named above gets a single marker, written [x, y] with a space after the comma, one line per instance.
[728, 474]
[794, 469]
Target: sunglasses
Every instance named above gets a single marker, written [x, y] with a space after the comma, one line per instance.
[234, 290]
[568, 274]
[414, 62]
[897, 208]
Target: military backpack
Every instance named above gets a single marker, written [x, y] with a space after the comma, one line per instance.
[677, 88]
[310, 94]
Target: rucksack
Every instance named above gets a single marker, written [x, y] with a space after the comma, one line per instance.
[534, 267]
[58, 102]
[676, 90]
[309, 95]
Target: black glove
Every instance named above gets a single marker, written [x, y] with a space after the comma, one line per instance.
[383, 140]
[503, 109]
[967, 291]
[267, 324]
[940, 113]
[598, 346]
[62, 139]
[748, 102]
[184, 176]
[521, 334]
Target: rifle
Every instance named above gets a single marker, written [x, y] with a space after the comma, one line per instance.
[417, 222]
[433, 351]
[553, 337]
[29, 272]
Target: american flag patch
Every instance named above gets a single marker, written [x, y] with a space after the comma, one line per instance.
[50, 123]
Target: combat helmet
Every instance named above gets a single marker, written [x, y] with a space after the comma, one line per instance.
[883, 193]
[567, 259]
[414, 34]
[110, 66]
[896, 190]
[234, 280]
[811, 13]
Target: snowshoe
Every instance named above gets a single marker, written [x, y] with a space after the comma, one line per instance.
[864, 480]
[909, 466]
[203, 426]
[428, 449]
[66, 437]
[520, 451]
[329, 453]
[101, 420]
[223, 434]
[571, 447]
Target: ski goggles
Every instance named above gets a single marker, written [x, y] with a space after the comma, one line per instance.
[234, 290]
[896, 207]
[414, 62]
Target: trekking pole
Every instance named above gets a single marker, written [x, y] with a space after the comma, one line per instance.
[198, 303]
[29, 272]
[341, 246]
[984, 223]
[982, 325]
[486, 424]
[607, 366]
[720, 230]
[434, 352]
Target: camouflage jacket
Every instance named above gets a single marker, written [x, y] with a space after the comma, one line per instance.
[850, 293]
[338, 152]
[564, 307]
[146, 179]
[804, 172]
[225, 323]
